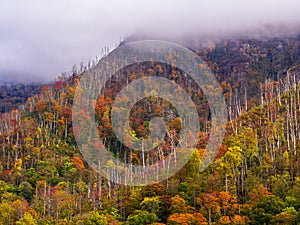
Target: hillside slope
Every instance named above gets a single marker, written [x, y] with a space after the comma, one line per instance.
[255, 178]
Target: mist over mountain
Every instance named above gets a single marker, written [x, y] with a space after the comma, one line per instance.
[39, 40]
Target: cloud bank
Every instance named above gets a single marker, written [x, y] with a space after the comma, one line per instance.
[40, 39]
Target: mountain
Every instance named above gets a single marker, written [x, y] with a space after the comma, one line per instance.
[243, 64]
[254, 179]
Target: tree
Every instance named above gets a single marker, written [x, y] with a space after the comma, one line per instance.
[4, 187]
[293, 195]
[141, 218]
[19, 208]
[228, 204]
[224, 220]
[287, 217]
[96, 219]
[151, 204]
[5, 213]
[152, 190]
[60, 204]
[190, 174]
[229, 165]
[211, 206]
[186, 219]
[25, 189]
[266, 208]
[28, 219]
[178, 204]
[240, 220]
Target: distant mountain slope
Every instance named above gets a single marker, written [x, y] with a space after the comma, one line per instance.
[242, 65]
[14, 94]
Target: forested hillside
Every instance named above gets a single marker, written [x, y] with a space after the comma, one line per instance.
[14, 94]
[254, 179]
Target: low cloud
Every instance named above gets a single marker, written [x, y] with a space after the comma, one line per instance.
[40, 39]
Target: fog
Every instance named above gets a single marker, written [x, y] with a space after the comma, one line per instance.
[41, 39]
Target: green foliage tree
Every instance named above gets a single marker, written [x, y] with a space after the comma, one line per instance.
[141, 218]
[25, 189]
[28, 219]
[5, 213]
[287, 217]
[151, 204]
[96, 219]
[293, 195]
[267, 207]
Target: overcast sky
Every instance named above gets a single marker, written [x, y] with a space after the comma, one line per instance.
[41, 38]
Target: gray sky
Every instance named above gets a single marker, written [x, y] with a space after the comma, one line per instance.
[41, 38]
